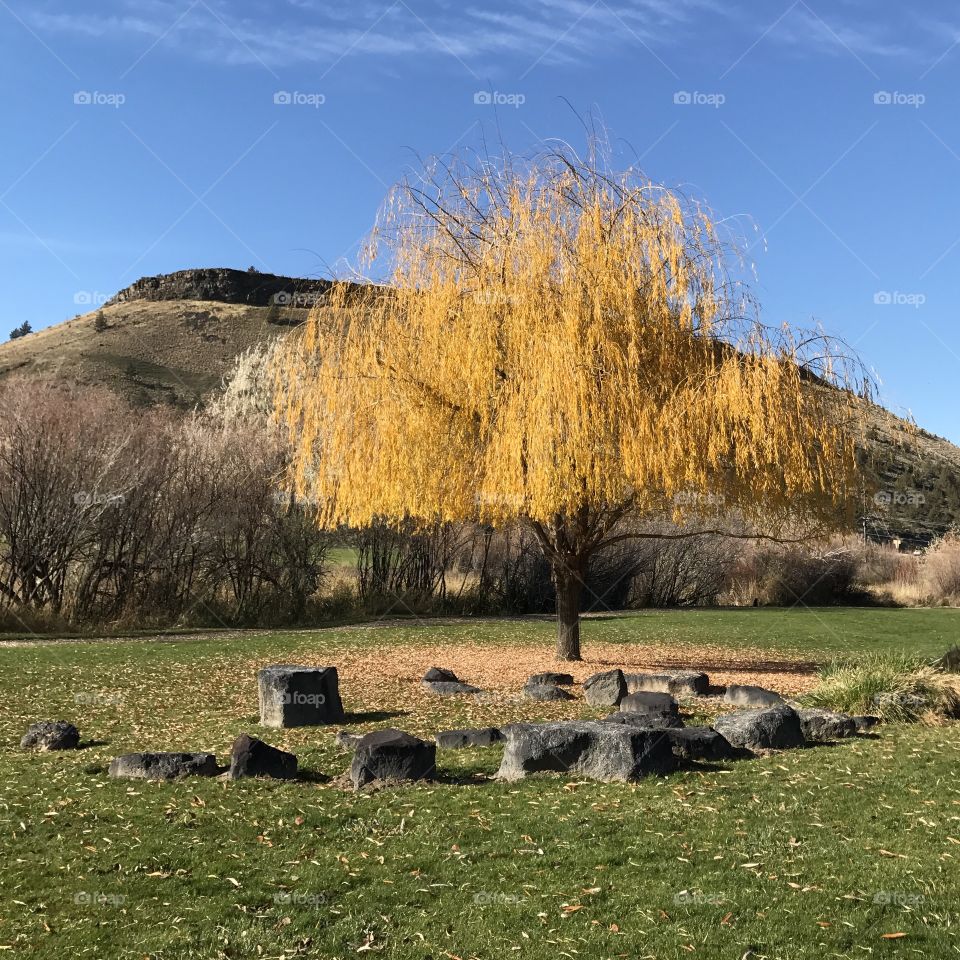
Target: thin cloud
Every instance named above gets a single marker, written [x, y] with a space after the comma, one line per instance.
[808, 31]
[279, 34]
[306, 31]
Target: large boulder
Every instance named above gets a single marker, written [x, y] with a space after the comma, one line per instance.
[605, 689]
[601, 751]
[557, 679]
[294, 696]
[458, 739]
[820, 726]
[545, 691]
[652, 709]
[51, 735]
[387, 756]
[251, 757]
[164, 766]
[753, 697]
[645, 702]
[775, 728]
[646, 721]
[679, 683]
[700, 743]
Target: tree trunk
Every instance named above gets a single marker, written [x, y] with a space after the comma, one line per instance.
[569, 586]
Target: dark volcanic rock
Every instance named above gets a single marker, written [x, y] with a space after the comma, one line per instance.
[645, 702]
[601, 751]
[775, 728]
[646, 721]
[865, 723]
[557, 679]
[700, 743]
[225, 285]
[680, 683]
[754, 697]
[651, 709]
[390, 755]
[439, 675]
[51, 735]
[458, 739]
[164, 766]
[294, 696]
[448, 688]
[605, 689]
[545, 691]
[820, 726]
[251, 757]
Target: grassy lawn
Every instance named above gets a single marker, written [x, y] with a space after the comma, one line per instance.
[823, 852]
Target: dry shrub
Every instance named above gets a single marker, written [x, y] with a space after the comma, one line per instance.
[115, 514]
[941, 571]
[793, 574]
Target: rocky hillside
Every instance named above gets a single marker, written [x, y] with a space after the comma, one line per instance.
[171, 339]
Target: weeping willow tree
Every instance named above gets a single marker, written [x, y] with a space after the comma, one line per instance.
[560, 344]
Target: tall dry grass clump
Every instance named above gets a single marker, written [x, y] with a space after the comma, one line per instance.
[897, 689]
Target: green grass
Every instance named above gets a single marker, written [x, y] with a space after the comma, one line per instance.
[810, 853]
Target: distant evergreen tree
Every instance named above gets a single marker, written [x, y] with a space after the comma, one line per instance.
[21, 331]
[100, 322]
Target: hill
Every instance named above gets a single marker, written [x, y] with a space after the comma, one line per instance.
[171, 339]
[168, 339]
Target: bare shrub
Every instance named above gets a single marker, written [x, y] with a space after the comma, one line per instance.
[111, 514]
[793, 574]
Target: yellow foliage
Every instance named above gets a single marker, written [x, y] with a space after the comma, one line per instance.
[554, 338]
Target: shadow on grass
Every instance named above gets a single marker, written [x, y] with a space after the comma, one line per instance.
[311, 776]
[374, 716]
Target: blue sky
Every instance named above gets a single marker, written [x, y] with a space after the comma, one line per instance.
[145, 136]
